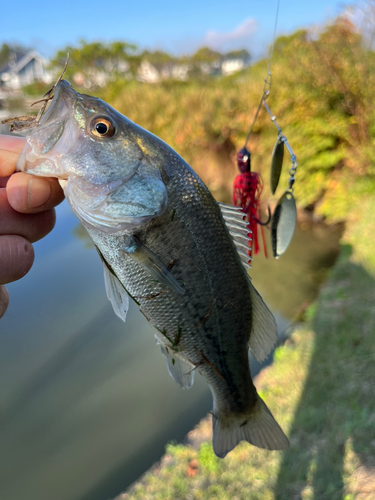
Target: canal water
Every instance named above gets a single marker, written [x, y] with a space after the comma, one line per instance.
[86, 402]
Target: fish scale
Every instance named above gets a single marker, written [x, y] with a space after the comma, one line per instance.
[171, 240]
[165, 242]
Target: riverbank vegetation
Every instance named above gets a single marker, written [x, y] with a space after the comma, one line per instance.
[322, 93]
[321, 384]
[321, 390]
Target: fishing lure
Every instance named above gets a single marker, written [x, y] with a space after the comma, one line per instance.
[248, 185]
[285, 214]
[247, 188]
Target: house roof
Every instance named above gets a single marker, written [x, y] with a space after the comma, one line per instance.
[18, 60]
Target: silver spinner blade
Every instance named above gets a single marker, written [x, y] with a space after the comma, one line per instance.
[283, 223]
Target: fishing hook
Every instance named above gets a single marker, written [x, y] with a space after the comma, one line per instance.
[267, 221]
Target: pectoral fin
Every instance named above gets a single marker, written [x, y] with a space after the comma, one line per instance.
[116, 293]
[263, 336]
[151, 262]
[180, 369]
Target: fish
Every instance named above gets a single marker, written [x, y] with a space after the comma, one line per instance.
[168, 245]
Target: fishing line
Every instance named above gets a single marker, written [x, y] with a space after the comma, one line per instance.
[285, 215]
[274, 36]
[254, 120]
[248, 185]
[268, 79]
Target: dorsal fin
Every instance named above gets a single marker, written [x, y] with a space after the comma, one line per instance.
[239, 229]
[263, 335]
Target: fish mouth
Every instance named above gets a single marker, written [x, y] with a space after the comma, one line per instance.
[35, 158]
[62, 102]
[103, 187]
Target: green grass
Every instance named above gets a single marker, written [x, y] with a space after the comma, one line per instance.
[321, 389]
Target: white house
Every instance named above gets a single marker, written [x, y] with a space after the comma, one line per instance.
[154, 73]
[102, 73]
[235, 61]
[147, 72]
[23, 69]
[230, 66]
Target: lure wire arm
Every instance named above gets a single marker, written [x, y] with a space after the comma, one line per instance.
[293, 158]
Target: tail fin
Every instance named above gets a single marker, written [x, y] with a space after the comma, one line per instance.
[258, 427]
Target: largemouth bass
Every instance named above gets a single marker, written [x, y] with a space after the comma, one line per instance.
[165, 242]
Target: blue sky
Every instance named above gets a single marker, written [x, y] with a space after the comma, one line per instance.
[177, 27]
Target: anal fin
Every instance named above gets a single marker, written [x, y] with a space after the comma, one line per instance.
[179, 368]
[263, 336]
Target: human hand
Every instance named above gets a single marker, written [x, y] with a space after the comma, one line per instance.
[26, 214]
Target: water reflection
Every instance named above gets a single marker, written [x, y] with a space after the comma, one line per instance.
[86, 403]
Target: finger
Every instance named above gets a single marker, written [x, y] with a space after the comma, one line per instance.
[16, 258]
[33, 227]
[4, 300]
[10, 149]
[3, 181]
[30, 194]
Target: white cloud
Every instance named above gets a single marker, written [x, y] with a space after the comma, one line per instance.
[239, 37]
[355, 14]
[362, 15]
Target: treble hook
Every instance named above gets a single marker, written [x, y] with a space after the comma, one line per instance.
[268, 220]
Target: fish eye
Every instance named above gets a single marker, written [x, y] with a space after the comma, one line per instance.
[102, 127]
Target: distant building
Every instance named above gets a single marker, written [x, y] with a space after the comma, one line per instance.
[234, 63]
[154, 73]
[176, 71]
[209, 68]
[148, 73]
[23, 69]
[226, 65]
[231, 66]
[92, 78]
[102, 72]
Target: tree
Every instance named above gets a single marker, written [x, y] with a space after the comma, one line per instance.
[323, 88]
[95, 64]
[6, 51]
[238, 54]
[157, 57]
[4, 54]
[206, 55]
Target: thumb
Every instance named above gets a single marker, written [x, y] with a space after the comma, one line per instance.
[4, 300]
[16, 257]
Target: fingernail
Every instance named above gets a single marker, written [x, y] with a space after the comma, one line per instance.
[38, 192]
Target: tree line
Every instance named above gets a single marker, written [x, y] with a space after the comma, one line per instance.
[121, 59]
[322, 92]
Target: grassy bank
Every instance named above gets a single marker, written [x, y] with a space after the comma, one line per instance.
[322, 94]
[320, 388]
